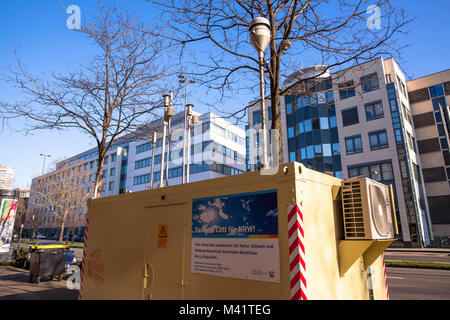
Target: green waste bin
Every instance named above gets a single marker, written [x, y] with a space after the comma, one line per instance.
[47, 261]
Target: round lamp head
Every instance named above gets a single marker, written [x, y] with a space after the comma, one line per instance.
[259, 33]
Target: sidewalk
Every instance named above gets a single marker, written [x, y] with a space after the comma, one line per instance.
[15, 285]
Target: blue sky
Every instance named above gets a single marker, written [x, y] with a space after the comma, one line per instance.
[37, 29]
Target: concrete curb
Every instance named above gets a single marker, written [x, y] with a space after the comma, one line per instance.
[419, 250]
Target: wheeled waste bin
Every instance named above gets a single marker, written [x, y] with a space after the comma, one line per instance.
[47, 261]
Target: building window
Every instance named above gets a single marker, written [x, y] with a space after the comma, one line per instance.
[439, 103]
[374, 111]
[441, 130]
[301, 127]
[310, 152]
[346, 90]
[353, 145]
[112, 172]
[330, 96]
[291, 133]
[370, 83]
[324, 123]
[257, 117]
[350, 117]
[336, 149]
[402, 86]
[113, 157]
[436, 91]
[315, 124]
[111, 185]
[333, 122]
[383, 172]
[444, 143]
[308, 126]
[378, 140]
[292, 156]
[289, 106]
[326, 150]
[388, 79]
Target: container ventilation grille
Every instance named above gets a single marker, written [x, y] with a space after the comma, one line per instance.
[353, 210]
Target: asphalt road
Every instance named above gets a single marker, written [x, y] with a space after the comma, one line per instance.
[422, 256]
[404, 284]
[426, 255]
[418, 284]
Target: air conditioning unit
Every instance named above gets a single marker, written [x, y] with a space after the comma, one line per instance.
[367, 209]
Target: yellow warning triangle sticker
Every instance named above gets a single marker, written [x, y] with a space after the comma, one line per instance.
[162, 231]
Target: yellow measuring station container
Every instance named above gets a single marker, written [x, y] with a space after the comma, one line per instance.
[249, 236]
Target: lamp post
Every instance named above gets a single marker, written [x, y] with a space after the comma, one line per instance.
[260, 37]
[168, 114]
[185, 80]
[45, 156]
[20, 235]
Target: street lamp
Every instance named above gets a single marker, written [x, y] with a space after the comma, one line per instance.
[260, 37]
[45, 156]
[185, 80]
[20, 235]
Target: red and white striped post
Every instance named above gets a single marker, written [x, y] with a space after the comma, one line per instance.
[297, 254]
[385, 279]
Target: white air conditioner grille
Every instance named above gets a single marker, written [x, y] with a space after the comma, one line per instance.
[379, 211]
[353, 210]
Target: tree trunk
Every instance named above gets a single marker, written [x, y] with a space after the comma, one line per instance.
[61, 233]
[99, 174]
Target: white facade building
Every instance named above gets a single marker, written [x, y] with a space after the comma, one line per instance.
[217, 149]
[6, 177]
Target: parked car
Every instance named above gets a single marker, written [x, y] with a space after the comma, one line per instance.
[54, 237]
[41, 236]
[78, 238]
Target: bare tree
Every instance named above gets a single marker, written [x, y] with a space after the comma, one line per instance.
[110, 95]
[303, 32]
[62, 192]
[75, 220]
[21, 213]
[32, 222]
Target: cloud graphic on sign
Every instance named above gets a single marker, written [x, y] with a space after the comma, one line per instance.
[272, 213]
[218, 204]
[246, 204]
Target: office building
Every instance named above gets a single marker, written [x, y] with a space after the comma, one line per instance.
[356, 122]
[429, 98]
